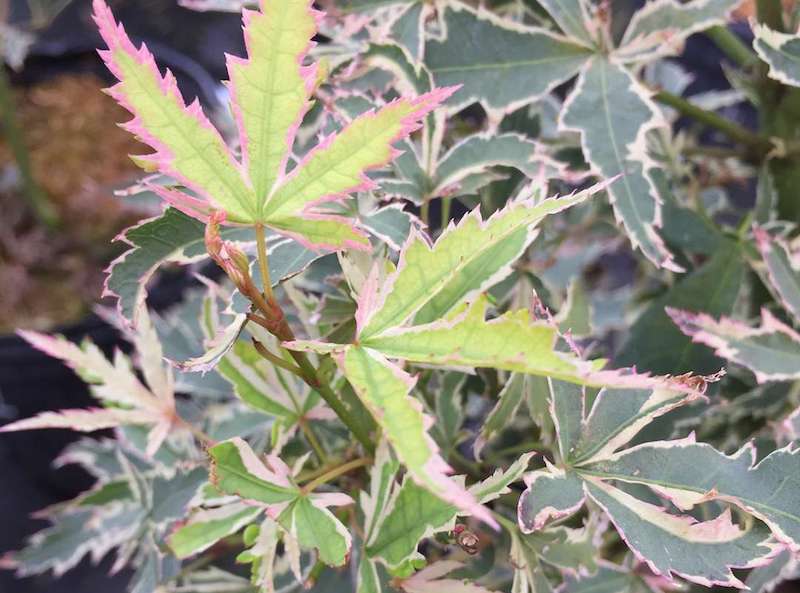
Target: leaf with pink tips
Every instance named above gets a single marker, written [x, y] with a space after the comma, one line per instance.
[337, 165]
[271, 88]
[384, 390]
[271, 484]
[783, 269]
[115, 383]
[271, 91]
[186, 145]
[771, 351]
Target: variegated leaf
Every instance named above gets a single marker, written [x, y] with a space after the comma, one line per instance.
[466, 259]
[687, 473]
[701, 552]
[572, 16]
[661, 26]
[551, 494]
[429, 580]
[481, 51]
[771, 350]
[510, 342]
[206, 527]
[271, 92]
[614, 114]
[115, 383]
[413, 513]
[171, 237]
[783, 269]
[385, 391]
[476, 153]
[238, 471]
[781, 51]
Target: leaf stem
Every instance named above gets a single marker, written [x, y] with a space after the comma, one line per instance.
[263, 262]
[274, 321]
[275, 359]
[312, 439]
[335, 473]
[31, 192]
[732, 46]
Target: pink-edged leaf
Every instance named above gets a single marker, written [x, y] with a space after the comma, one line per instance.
[385, 391]
[701, 552]
[771, 351]
[429, 580]
[114, 383]
[783, 269]
[187, 147]
[83, 420]
[271, 87]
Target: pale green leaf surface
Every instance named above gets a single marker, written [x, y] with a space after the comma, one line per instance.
[206, 527]
[466, 259]
[270, 88]
[511, 342]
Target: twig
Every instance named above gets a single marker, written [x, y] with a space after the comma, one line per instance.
[335, 473]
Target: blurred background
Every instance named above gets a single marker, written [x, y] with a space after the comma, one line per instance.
[62, 158]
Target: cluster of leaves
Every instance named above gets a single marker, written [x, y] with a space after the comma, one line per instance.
[409, 407]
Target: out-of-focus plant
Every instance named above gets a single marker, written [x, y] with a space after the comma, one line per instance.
[432, 405]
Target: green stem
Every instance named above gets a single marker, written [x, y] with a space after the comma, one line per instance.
[263, 262]
[275, 323]
[314, 381]
[732, 46]
[713, 120]
[274, 358]
[424, 212]
[335, 473]
[446, 203]
[312, 439]
[36, 198]
[770, 13]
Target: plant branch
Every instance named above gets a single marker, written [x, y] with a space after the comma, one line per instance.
[275, 359]
[335, 473]
[713, 120]
[31, 191]
[312, 439]
[732, 46]
[274, 321]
